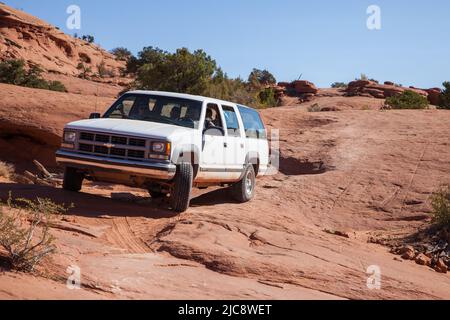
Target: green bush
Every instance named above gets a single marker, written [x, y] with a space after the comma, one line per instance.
[14, 72]
[267, 98]
[57, 86]
[407, 100]
[121, 53]
[445, 96]
[258, 78]
[339, 85]
[440, 202]
[197, 73]
[88, 38]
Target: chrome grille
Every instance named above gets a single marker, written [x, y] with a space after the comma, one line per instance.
[112, 146]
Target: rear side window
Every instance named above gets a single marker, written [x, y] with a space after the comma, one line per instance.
[232, 121]
[254, 127]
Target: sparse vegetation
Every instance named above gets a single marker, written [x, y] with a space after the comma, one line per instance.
[342, 85]
[84, 69]
[104, 71]
[6, 170]
[407, 100]
[440, 202]
[25, 239]
[121, 53]
[14, 72]
[88, 38]
[314, 108]
[445, 96]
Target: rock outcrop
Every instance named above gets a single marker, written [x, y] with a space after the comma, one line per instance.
[23, 36]
[367, 88]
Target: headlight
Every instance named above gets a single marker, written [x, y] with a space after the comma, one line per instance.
[159, 147]
[70, 137]
[160, 150]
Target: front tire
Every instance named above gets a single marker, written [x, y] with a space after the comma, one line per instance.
[244, 190]
[157, 194]
[181, 193]
[73, 180]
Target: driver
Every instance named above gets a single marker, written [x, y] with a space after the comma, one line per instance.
[209, 119]
[175, 113]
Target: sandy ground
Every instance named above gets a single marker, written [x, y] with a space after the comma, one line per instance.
[364, 173]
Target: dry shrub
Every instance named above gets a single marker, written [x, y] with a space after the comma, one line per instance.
[6, 170]
[440, 201]
[315, 108]
[25, 239]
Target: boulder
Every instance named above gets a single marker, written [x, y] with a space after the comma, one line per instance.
[304, 87]
[407, 252]
[389, 83]
[423, 260]
[284, 85]
[434, 96]
[441, 267]
[376, 93]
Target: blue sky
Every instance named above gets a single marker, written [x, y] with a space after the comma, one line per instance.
[325, 40]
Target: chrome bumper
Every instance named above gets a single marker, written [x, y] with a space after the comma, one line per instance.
[160, 171]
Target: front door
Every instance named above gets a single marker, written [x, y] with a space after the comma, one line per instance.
[212, 160]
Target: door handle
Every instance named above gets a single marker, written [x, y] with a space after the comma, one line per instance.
[225, 145]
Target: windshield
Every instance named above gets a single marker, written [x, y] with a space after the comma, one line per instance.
[160, 109]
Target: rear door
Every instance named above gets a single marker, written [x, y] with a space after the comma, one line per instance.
[256, 143]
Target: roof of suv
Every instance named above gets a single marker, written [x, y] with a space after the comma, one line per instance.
[182, 96]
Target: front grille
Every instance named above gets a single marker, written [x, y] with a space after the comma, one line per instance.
[112, 146]
[101, 150]
[118, 152]
[119, 140]
[137, 142]
[136, 154]
[87, 136]
[102, 138]
[86, 147]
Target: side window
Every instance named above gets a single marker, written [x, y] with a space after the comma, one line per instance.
[213, 118]
[253, 125]
[213, 121]
[232, 122]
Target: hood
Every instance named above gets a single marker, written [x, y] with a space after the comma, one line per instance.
[136, 128]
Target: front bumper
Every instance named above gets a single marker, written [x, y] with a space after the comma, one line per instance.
[153, 170]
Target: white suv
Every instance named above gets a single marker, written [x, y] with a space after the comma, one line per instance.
[168, 143]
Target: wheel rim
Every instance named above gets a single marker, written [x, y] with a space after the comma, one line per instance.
[249, 183]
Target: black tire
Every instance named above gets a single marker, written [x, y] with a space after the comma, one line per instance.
[157, 194]
[181, 192]
[73, 180]
[244, 190]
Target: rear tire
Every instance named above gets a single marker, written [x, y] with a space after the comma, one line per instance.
[244, 190]
[181, 193]
[73, 180]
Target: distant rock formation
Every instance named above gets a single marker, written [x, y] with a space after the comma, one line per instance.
[367, 88]
[26, 37]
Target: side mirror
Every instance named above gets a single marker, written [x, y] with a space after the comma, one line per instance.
[95, 116]
[214, 131]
